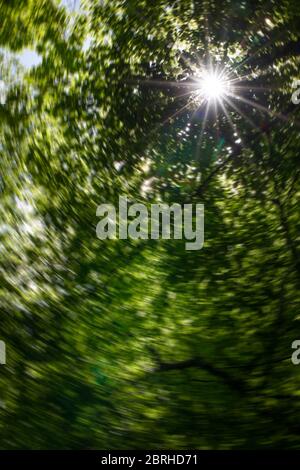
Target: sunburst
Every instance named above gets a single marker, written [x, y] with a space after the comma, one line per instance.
[213, 86]
[218, 89]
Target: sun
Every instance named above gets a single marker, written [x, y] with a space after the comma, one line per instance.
[212, 86]
[213, 91]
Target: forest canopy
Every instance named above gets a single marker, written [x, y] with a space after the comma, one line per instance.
[117, 344]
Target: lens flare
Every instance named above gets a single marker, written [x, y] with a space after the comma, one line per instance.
[212, 86]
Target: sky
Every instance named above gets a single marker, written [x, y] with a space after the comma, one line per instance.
[71, 4]
[29, 58]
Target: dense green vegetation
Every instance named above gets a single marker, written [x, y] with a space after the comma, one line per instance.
[140, 343]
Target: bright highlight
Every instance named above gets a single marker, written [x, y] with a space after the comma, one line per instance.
[212, 86]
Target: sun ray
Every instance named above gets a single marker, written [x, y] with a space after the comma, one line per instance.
[160, 83]
[255, 88]
[236, 108]
[253, 55]
[199, 141]
[175, 114]
[216, 120]
[217, 86]
[229, 118]
[262, 108]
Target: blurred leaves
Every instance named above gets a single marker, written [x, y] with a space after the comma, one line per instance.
[120, 343]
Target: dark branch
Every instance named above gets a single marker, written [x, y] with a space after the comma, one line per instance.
[200, 363]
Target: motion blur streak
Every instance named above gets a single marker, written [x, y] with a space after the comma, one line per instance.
[140, 343]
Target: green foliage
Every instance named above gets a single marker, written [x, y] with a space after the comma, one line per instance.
[141, 344]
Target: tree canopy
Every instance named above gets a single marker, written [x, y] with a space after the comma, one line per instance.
[122, 344]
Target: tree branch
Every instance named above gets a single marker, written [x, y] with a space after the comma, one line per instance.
[200, 363]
